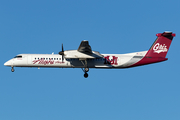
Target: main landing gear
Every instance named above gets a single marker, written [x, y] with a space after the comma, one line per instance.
[86, 69]
[12, 69]
[85, 72]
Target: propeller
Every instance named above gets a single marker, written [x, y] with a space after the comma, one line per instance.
[62, 53]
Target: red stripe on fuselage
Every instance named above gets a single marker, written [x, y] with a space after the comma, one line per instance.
[149, 60]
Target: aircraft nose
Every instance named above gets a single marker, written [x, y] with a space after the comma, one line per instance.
[8, 63]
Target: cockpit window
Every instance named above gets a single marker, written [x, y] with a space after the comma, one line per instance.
[18, 56]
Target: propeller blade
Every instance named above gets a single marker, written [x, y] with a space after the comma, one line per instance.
[62, 58]
[62, 48]
[62, 53]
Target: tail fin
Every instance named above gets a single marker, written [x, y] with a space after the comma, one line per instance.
[161, 45]
[158, 50]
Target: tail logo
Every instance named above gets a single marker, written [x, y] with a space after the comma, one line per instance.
[160, 48]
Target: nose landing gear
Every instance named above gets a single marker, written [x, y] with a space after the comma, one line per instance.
[12, 69]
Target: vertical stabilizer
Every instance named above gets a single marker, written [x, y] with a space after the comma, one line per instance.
[158, 50]
[161, 45]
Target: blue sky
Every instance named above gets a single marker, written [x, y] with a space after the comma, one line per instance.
[140, 93]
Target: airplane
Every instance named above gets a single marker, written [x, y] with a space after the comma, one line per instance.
[85, 58]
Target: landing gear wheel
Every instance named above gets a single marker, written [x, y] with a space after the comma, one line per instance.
[85, 75]
[86, 69]
[12, 69]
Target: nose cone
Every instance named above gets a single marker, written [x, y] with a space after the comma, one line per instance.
[8, 63]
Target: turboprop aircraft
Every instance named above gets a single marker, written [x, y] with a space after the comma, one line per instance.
[85, 58]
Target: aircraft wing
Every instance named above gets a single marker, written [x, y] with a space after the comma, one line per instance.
[83, 52]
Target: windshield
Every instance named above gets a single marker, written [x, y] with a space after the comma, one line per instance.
[18, 56]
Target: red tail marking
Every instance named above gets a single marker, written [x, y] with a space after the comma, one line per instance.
[158, 50]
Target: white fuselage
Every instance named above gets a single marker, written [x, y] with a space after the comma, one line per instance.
[85, 58]
[55, 60]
